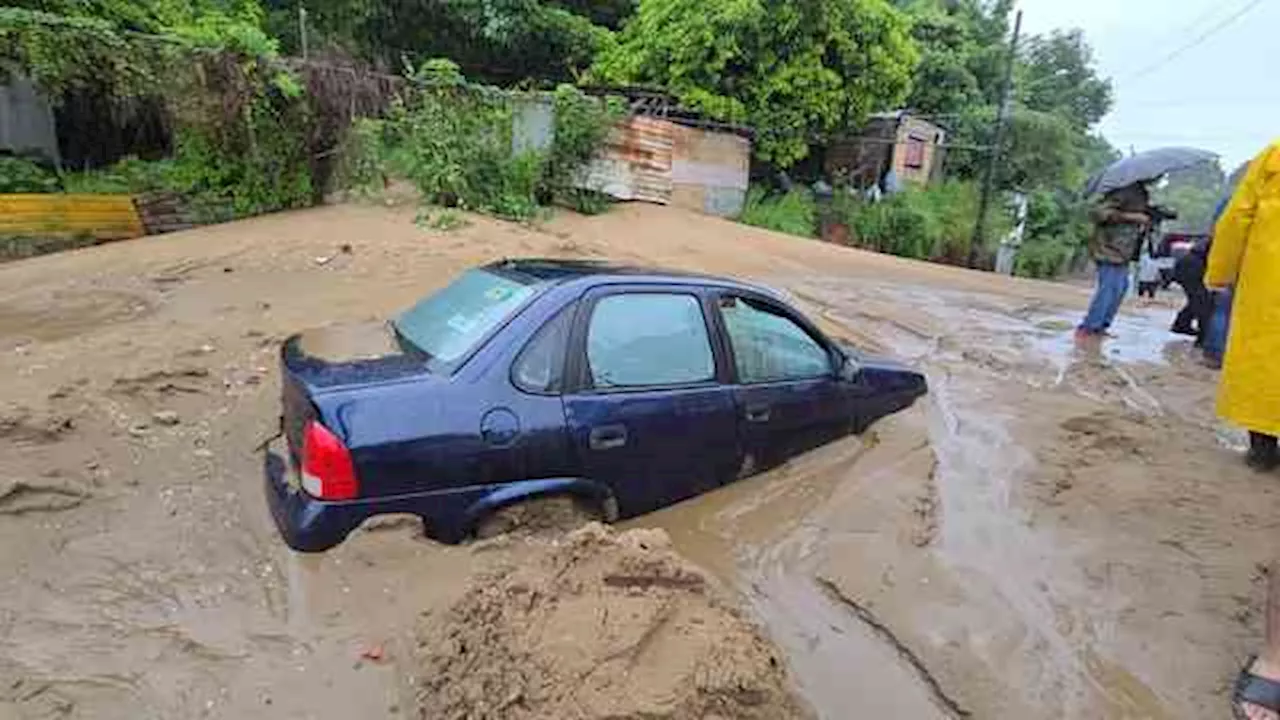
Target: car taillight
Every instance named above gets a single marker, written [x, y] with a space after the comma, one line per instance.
[327, 470]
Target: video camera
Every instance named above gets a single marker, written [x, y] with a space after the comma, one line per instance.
[1160, 213]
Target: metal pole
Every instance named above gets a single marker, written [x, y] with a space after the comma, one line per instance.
[302, 29]
[988, 179]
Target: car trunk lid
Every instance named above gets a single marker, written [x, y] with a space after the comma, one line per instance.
[325, 360]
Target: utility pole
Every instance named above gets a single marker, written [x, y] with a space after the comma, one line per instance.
[997, 142]
[302, 30]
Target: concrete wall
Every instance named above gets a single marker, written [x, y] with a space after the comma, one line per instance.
[26, 121]
[709, 170]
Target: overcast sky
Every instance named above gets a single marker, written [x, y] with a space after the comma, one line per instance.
[1222, 95]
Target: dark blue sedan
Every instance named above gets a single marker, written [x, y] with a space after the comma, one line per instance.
[618, 389]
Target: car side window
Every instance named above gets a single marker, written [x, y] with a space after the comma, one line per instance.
[540, 366]
[768, 346]
[648, 339]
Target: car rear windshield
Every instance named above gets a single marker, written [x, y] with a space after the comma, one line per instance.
[448, 325]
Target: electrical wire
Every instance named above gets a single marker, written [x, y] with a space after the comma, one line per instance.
[1196, 41]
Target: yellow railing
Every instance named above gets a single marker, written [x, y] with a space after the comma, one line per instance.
[105, 217]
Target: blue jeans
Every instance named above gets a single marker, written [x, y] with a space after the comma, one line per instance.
[1113, 284]
[1215, 342]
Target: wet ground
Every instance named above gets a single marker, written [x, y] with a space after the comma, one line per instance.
[1054, 532]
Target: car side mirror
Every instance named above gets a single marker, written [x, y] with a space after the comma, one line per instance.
[850, 370]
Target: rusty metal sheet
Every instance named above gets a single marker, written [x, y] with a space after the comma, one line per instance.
[635, 163]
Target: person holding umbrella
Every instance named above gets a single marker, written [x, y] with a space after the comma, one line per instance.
[1120, 227]
[1122, 221]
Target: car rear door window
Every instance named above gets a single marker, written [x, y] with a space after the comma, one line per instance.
[647, 340]
[768, 346]
[540, 366]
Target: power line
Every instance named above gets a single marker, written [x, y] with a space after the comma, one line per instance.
[1197, 40]
[1207, 102]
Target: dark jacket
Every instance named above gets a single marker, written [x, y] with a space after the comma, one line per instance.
[1116, 241]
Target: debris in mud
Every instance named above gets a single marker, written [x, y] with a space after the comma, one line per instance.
[164, 382]
[21, 426]
[599, 625]
[925, 510]
[19, 497]
[168, 418]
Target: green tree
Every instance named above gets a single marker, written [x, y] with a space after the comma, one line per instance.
[794, 71]
[1056, 75]
[502, 41]
[961, 46]
[609, 13]
[233, 24]
[1194, 193]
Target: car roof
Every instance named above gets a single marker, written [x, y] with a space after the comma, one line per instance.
[603, 272]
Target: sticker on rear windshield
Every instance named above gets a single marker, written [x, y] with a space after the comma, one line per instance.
[461, 323]
[498, 293]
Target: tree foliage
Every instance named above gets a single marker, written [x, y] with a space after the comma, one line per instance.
[793, 71]
[1195, 194]
[961, 46]
[1056, 75]
[504, 41]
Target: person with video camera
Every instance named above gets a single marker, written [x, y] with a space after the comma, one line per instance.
[1121, 223]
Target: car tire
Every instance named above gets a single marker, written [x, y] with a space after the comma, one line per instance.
[535, 516]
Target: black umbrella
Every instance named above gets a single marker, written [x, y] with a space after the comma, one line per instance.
[1146, 166]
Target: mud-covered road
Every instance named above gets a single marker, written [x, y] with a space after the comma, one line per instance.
[1051, 533]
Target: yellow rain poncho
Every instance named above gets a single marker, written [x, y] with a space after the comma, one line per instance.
[1246, 253]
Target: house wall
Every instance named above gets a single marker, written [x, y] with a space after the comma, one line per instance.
[26, 121]
[859, 162]
[709, 170]
[912, 130]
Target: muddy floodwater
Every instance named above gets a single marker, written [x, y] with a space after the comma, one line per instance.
[1053, 532]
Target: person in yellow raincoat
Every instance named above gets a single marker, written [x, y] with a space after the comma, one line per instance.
[1246, 254]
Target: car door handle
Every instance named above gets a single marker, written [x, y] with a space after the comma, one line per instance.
[608, 437]
[759, 413]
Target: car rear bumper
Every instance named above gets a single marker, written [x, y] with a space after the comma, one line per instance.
[311, 525]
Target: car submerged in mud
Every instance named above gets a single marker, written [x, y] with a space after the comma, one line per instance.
[528, 388]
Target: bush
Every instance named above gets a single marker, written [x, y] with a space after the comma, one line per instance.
[1057, 226]
[1043, 258]
[23, 176]
[128, 176]
[794, 212]
[934, 223]
[454, 141]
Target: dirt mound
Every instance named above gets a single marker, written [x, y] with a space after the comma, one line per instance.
[601, 625]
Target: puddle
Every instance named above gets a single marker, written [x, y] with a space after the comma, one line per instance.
[1138, 338]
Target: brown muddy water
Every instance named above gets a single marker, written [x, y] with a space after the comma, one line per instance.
[914, 572]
